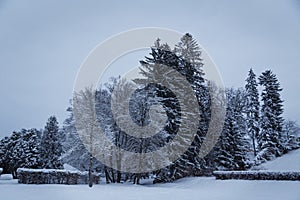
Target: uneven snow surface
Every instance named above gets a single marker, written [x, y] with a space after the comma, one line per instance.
[188, 188]
[288, 162]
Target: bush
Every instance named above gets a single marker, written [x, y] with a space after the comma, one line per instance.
[54, 176]
[1, 170]
[257, 175]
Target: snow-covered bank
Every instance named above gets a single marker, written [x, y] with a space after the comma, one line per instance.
[6, 177]
[286, 167]
[288, 162]
[184, 189]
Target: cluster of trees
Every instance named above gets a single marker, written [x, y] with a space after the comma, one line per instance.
[36, 149]
[254, 130]
[185, 59]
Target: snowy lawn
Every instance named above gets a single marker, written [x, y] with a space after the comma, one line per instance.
[187, 188]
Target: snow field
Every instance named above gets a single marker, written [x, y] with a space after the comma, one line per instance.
[184, 189]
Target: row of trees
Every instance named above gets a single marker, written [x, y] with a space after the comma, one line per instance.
[32, 148]
[270, 133]
[254, 130]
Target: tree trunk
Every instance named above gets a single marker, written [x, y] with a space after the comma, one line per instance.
[119, 176]
[90, 178]
[107, 176]
[254, 147]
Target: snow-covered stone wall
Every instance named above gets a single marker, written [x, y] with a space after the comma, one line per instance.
[257, 175]
[54, 176]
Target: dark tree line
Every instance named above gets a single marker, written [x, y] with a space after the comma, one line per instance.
[32, 148]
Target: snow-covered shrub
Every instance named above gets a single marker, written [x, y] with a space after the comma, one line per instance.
[292, 143]
[1, 170]
[257, 175]
[54, 176]
[265, 155]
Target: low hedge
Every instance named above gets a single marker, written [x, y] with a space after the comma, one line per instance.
[257, 175]
[54, 176]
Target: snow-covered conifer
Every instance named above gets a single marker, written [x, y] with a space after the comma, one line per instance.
[252, 109]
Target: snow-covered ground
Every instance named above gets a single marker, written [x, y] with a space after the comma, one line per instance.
[187, 188]
[288, 162]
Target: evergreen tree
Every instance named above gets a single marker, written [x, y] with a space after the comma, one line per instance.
[233, 145]
[189, 50]
[252, 109]
[20, 150]
[186, 60]
[30, 146]
[271, 117]
[15, 152]
[4, 154]
[51, 148]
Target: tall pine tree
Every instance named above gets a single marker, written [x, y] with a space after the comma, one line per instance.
[185, 59]
[271, 117]
[252, 109]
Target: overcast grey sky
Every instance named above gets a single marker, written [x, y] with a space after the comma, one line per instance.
[43, 43]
